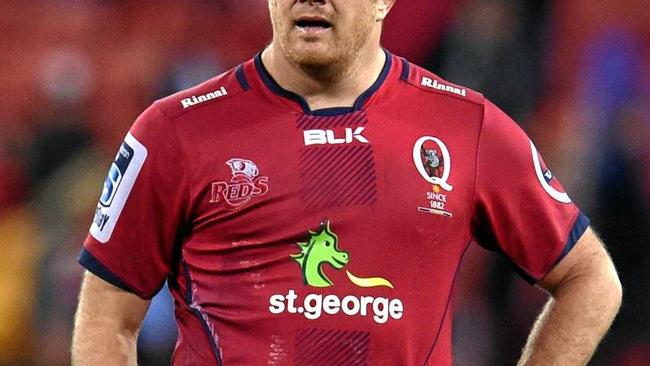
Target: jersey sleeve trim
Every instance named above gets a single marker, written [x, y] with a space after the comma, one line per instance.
[92, 264]
[579, 227]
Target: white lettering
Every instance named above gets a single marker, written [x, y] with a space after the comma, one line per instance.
[437, 196]
[194, 100]
[314, 137]
[396, 309]
[331, 304]
[322, 137]
[331, 139]
[291, 298]
[350, 305]
[315, 305]
[276, 304]
[365, 301]
[124, 152]
[433, 84]
[380, 308]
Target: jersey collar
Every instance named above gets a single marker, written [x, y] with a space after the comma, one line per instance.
[261, 80]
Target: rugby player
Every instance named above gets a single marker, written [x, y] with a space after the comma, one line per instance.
[312, 207]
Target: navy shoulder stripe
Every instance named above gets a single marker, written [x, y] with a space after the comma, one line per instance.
[406, 70]
[241, 77]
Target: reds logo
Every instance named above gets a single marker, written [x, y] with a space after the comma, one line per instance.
[244, 184]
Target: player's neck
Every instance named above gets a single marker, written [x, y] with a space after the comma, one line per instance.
[325, 91]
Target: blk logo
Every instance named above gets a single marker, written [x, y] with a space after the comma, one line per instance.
[324, 137]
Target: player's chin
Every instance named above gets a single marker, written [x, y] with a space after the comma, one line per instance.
[314, 55]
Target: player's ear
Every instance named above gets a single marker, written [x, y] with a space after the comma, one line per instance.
[383, 7]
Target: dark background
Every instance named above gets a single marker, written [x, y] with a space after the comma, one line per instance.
[74, 75]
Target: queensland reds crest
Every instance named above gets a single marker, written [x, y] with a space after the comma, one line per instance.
[245, 184]
[433, 162]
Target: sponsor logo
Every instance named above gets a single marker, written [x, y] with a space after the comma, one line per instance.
[322, 249]
[545, 178]
[245, 184]
[194, 100]
[433, 161]
[434, 84]
[323, 137]
[118, 184]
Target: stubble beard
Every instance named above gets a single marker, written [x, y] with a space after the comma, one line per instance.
[337, 62]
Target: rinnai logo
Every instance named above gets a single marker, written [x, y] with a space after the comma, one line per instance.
[434, 84]
[194, 100]
[323, 137]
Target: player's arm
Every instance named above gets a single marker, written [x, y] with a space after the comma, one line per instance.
[106, 325]
[585, 297]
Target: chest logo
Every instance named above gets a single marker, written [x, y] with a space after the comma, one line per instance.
[246, 183]
[322, 248]
[328, 137]
[433, 161]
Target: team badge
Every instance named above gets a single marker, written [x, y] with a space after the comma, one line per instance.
[546, 179]
[117, 187]
[433, 161]
[245, 184]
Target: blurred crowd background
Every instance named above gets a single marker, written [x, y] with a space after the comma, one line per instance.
[75, 74]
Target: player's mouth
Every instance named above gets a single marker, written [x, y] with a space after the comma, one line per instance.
[313, 25]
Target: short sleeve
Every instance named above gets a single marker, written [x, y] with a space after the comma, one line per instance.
[521, 209]
[141, 209]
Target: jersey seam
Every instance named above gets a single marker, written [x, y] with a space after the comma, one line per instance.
[476, 160]
[184, 167]
[449, 296]
[189, 298]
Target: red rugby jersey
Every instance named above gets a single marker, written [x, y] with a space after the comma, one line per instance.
[327, 237]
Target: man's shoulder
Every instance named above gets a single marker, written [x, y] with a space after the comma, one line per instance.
[211, 92]
[434, 86]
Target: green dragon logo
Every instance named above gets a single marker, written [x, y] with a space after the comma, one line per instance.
[322, 248]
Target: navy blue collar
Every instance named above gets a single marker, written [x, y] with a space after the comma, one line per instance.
[358, 104]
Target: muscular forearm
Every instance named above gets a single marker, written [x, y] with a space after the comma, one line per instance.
[106, 325]
[574, 320]
[99, 342]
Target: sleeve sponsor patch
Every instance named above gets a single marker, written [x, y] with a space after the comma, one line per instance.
[118, 184]
[545, 178]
